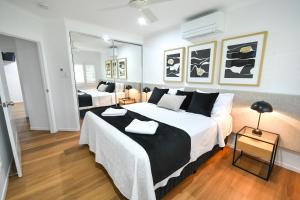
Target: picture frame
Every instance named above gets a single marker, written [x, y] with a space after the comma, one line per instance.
[241, 59]
[201, 59]
[174, 64]
[115, 69]
[122, 68]
[108, 68]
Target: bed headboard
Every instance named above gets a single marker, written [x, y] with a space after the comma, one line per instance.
[284, 120]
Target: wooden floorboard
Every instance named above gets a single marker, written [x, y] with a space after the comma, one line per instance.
[55, 166]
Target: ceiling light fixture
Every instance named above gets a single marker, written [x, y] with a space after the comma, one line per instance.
[43, 5]
[106, 38]
[142, 21]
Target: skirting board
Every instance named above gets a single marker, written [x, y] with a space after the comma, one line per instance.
[4, 191]
[34, 128]
[68, 129]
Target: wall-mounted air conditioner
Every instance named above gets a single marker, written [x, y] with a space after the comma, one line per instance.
[208, 24]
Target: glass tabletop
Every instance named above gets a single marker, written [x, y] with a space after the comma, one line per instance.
[266, 136]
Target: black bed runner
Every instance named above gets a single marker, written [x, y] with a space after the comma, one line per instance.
[168, 149]
[84, 99]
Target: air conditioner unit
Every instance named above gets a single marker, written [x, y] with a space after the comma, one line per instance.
[208, 24]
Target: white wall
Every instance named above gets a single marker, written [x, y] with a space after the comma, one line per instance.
[13, 81]
[281, 70]
[32, 84]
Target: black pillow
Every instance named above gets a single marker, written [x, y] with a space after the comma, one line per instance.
[185, 104]
[101, 82]
[157, 94]
[110, 87]
[202, 103]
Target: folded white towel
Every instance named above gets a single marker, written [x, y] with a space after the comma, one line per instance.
[110, 112]
[142, 127]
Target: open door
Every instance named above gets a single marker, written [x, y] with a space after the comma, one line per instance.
[6, 104]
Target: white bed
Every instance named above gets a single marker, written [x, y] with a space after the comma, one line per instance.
[100, 99]
[127, 162]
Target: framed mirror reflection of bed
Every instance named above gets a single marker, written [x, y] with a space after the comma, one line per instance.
[102, 70]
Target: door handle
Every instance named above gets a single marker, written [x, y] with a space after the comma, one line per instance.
[6, 104]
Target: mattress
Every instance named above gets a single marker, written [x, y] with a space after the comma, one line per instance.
[127, 162]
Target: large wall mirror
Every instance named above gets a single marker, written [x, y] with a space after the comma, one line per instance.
[107, 72]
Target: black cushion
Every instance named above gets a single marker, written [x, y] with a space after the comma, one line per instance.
[101, 82]
[110, 87]
[157, 94]
[185, 104]
[202, 103]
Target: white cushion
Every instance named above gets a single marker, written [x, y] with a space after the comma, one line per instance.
[223, 103]
[170, 101]
[174, 90]
[102, 87]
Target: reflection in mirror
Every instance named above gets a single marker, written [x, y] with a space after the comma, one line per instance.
[107, 72]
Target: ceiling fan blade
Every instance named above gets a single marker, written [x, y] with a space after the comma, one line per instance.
[113, 7]
[149, 15]
[149, 2]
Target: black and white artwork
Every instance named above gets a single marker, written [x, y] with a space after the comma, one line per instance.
[242, 59]
[201, 61]
[122, 68]
[174, 65]
[108, 69]
[114, 69]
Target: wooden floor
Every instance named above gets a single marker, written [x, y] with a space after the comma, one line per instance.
[56, 167]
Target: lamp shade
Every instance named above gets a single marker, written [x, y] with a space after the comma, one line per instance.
[128, 87]
[146, 90]
[262, 106]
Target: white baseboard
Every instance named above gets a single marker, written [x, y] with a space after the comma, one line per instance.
[68, 129]
[36, 128]
[288, 166]
[3, 195]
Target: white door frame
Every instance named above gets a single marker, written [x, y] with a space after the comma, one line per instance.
[45, 79]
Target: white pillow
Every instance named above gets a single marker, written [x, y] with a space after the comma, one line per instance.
[223, 103]
[119, 87]
[102, 87]
[170, 101]
[174, 90]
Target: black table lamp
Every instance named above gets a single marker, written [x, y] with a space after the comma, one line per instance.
[261, 107]
[146, 90]
[128, 87]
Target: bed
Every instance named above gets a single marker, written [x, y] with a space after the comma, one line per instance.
[127, 162]
[93, 98]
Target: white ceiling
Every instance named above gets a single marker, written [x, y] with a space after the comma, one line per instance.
[169, 13]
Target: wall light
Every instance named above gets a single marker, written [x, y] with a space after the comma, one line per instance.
[142, 21]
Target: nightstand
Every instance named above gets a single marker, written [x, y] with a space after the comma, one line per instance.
[126, 101]
[255, 154]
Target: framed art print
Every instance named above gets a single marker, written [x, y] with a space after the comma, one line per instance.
[201, 62]
[122, 68]
[108, 69]
[174, 64]
[242, 59]
[114, 69]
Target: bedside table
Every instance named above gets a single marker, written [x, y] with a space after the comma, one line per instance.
[126, 101]
[250, 149]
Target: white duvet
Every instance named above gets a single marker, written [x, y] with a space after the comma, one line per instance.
[127, 162]
[100, 99]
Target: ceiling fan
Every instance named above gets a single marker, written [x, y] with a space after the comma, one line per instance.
[141, 5]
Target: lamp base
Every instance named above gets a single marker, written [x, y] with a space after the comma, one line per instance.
[257, 132]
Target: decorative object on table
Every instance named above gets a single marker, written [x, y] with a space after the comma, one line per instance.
[115, 69]
[261, 107]
[201, 62]
[242, 59]
[128, 87]
[122, 68]
[174, 65]
[146, 90]
[249, 148]
[108, 68]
